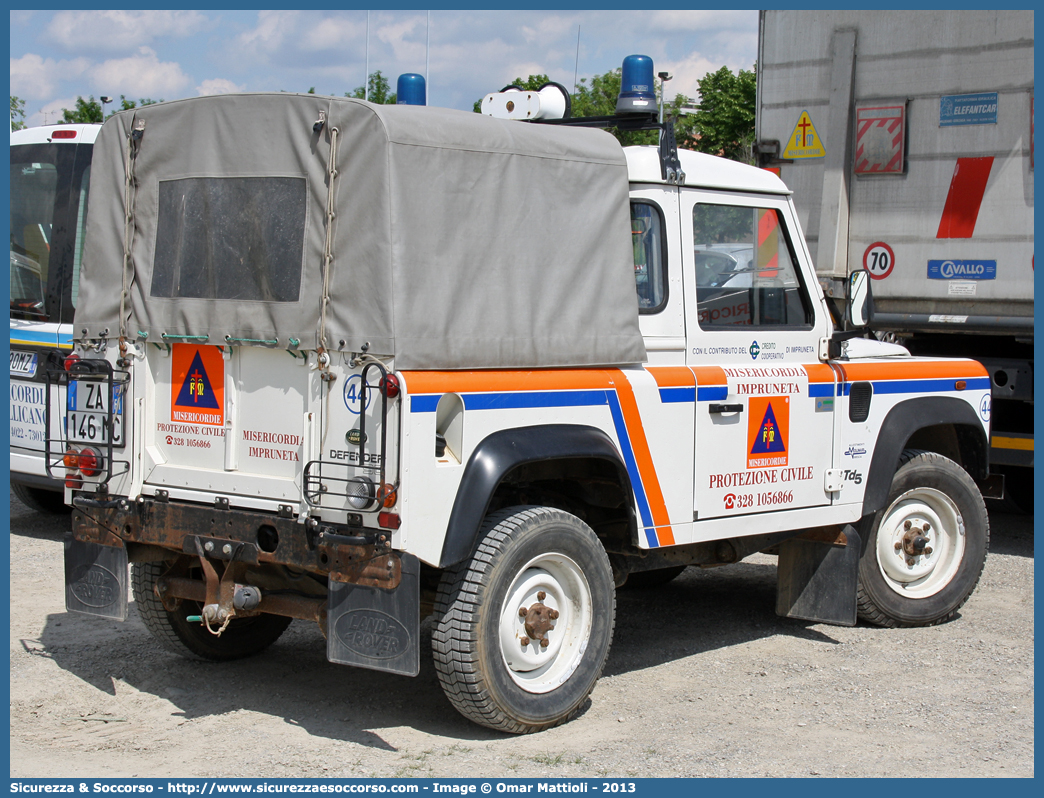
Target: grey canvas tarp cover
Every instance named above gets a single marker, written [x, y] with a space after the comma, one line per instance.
[458, 241]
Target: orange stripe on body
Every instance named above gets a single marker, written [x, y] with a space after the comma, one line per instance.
[673, 376]
[419, 382]
[819, 372]
[710, 375]
[643, 458]
[915, 370]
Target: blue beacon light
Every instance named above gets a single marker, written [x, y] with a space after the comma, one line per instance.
[637, 89]
[410, 90]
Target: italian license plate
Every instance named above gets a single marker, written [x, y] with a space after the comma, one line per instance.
[23, 364]
[88, 413]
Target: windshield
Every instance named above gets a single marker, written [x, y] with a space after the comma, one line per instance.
[49, 184]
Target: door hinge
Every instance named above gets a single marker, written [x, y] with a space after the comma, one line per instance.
[833, 480]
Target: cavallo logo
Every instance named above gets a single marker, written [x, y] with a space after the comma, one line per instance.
[962, 270]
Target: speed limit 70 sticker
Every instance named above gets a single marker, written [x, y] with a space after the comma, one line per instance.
[879, 260]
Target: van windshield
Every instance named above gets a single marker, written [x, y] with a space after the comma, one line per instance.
[49, 186]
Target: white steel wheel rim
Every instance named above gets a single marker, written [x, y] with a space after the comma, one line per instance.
[532, 667]
[922, 575]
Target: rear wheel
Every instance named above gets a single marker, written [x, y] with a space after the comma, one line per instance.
[242, 638]
[523, 628]
[51, 502]
[925, 550]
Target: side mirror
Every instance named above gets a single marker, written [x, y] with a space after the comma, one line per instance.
[860, 299]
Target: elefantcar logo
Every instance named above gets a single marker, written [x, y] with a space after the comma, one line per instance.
[754, 350]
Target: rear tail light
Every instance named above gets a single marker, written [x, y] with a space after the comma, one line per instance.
[90, 462]
[71, 459]
[389, 386]
[387, 495]
[71, 361]
[63, 134]
[389, 520]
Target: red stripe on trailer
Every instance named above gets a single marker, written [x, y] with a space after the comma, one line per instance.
[965, 197]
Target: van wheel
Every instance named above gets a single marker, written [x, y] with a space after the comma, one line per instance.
[50, 502]
[925, 551]
[243, 637]
[522, 629]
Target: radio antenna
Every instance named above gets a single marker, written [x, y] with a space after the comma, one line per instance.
[576, 64]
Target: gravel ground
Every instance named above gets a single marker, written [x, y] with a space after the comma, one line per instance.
[703, 680]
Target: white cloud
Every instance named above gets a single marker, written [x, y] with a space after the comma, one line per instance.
[273, 27]
[334, 33]
[217, 86]
[33, 76]
[700, 21]
[50, 112]
[686, 74]
[141, 75]
[120, 31]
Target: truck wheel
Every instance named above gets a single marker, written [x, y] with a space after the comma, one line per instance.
[51, 502]
[242, 638]
[646, 579]
[522, 630]
[925, 551]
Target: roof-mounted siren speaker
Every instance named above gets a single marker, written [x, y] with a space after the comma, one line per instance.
[637, 90]
[410, 90]
[550, 101]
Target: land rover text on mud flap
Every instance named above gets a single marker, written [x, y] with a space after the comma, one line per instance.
[372, 363]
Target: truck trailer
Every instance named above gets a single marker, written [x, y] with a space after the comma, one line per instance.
[907, 139]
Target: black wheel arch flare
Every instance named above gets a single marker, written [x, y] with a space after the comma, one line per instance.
[907, 418]
[497, 454]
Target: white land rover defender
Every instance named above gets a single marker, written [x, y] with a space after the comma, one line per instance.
[370, 363]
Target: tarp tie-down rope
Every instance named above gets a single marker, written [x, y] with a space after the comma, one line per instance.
[328, 247]
[129, 188]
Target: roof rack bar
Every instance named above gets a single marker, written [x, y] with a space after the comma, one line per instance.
[670, 164]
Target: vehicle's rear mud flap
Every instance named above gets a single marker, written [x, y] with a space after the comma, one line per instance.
[817, 580]
[371, 627]
[95, 579]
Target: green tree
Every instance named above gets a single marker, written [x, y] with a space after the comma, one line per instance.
[17, 113]
[126, 105]
[723, 123]
[86, 111]
[380, 90]
[725, 116]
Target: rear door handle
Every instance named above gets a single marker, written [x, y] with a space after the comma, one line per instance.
[715, 408]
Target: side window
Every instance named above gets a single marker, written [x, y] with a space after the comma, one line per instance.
[745, 272]
[650, 256]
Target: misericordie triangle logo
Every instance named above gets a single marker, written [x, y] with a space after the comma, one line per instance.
[768, 431]
[197, 385]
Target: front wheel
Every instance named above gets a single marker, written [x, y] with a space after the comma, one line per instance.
[925, 550]
[523, 628]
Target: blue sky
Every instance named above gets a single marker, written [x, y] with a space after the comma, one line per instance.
[57, 55]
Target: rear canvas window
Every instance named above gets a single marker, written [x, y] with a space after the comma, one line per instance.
[238, 238]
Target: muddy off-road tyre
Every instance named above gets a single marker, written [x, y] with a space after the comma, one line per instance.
[49, 502]
[533, 566]
[243, 637]
[926, 548]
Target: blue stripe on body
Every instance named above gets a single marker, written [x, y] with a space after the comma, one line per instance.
[946, 385]
[632, 469]
[514, 401]
[712, 393]
[682, 394]
[820, 389]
